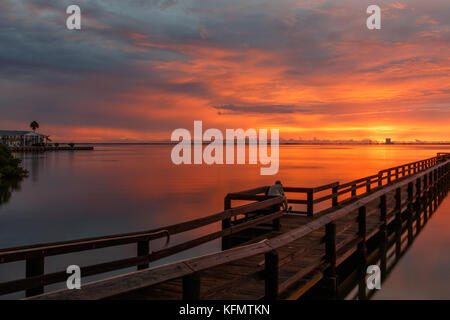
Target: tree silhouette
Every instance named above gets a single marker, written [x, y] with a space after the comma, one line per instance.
[34, 125]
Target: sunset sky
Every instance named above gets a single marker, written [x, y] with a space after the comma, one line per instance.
[139, 69]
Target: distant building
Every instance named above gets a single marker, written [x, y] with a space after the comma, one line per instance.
[389, 141]
[21, 138]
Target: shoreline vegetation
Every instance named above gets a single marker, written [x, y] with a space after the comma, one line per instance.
[11, 174]
[10, 168]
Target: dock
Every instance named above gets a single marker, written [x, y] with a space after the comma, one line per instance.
[311, 243]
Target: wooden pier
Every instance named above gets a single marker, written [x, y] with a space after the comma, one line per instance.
[318, 249]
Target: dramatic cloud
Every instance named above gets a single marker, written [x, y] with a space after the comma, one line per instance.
[140, 68]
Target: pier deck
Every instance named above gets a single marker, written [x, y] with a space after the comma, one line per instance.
[300, 267]
[315, 243]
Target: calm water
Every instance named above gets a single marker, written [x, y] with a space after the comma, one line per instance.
[119, 189]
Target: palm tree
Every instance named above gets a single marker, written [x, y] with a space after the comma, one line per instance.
[34, 125]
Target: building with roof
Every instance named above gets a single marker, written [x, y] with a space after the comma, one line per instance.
[14, 138]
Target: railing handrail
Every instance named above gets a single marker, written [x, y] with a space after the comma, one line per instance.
[55, 248]
[338, 189]
[152, 276]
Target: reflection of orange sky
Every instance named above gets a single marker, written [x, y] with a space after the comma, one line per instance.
[300, 166]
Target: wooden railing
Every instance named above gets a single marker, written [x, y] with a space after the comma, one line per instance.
[423, 188]
[34, 256]
[339, 194]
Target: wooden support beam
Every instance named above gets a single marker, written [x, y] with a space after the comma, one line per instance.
[330, 258]
[417, 206]
[353, 190]
[398, 222]
[362, 252]
[226, 223]
[410, 212]
[383, 235]
[271, 275]
[34, 267]
[143, 249]
[335, 191]
[310, 205]
[191, 286]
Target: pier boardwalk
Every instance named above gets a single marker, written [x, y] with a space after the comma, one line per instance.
[317, 250]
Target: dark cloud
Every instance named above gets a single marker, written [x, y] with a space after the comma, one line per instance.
[264, 109]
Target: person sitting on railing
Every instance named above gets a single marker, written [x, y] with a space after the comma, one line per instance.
[276, 190]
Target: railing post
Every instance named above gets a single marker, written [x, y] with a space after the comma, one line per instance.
[226, 223]
[380, 179]
[34, 267]
[445, 180]
[383, 235]
[335, 191]
[330, 257]
[191, 286]
[410, 212]
[425, 199]
[353, 190]
[430, 193]
[310, 204]
[362, 251]
[143, 249]
[418, 207]
[271, 275]
[440, 172]
[435, 189]
[368, 187]
[398, 221]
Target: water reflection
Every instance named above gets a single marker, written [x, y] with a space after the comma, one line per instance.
[7, 188]
[126, 188]
[120, 189]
